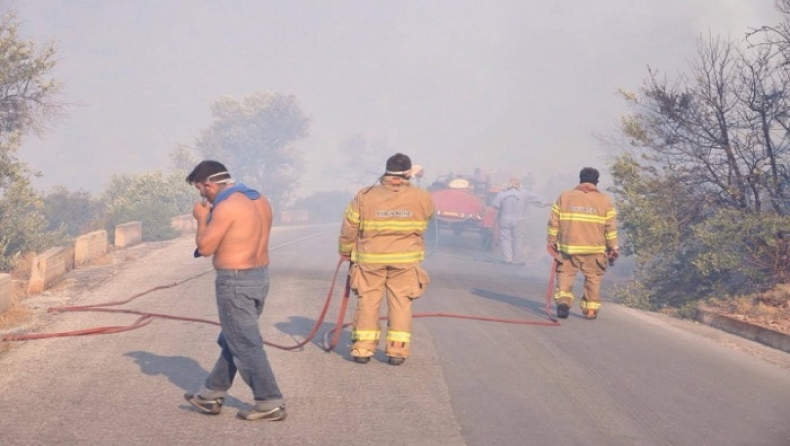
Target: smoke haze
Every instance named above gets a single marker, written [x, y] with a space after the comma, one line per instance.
[519, 85]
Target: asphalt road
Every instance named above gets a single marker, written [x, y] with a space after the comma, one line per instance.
[628, 378]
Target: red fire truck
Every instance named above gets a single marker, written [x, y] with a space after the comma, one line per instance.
[462, 205]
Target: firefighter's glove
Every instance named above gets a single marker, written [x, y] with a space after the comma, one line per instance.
[614, 253]
[551, 248]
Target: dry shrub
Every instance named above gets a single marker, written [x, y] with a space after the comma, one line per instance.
[770, 308]
[778, 296]
[16, 315]
[20, 276]
[740, 304]
[766, 312]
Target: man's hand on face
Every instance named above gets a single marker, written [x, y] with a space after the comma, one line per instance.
[201, 210]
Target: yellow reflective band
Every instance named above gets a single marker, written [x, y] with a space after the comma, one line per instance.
[563, 294]
[398, 336]
[365, 335]
[611, 214]
[611, 235]
[345, 247]
[581, 249]
[404, 257]
[394, 225]
[590, 305]
[352, 215]
[553, 231]
[589, 218]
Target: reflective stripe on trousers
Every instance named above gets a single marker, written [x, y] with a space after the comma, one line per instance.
[374, 281]
[592, 266]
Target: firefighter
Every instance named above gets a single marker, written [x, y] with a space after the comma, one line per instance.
[512, 206]
[416, 173]
[382, 235]
[582, 236]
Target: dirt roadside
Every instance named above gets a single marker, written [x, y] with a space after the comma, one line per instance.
[31, 314]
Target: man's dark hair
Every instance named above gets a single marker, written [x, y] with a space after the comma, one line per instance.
[588, 175]
[205, 169]
[398, 163]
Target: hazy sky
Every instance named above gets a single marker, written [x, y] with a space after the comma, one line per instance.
[521, 85]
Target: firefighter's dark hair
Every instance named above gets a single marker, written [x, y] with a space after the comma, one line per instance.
[588, 175]
[205, 169]
[398, 163]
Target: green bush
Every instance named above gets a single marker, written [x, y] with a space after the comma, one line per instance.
[76, 213]
[151, 198]
[23, 227]
[155, 220]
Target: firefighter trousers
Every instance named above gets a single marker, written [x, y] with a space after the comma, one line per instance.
[592, 266]
[401, 284]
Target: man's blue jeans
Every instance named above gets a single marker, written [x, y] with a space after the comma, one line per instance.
[240, 298]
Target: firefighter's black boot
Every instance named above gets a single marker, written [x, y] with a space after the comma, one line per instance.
[563, 311]
[362, 359]
[394, 360]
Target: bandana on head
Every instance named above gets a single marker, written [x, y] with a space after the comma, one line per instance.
[402, 172]
[227, 180]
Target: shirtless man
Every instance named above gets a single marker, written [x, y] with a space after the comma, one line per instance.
[233, 225]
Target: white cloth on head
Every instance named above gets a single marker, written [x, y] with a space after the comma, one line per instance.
[227, 180]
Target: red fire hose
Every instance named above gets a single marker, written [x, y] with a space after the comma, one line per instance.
[146, 317]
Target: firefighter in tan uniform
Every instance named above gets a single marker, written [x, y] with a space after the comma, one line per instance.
[582, 236]
[382, 235]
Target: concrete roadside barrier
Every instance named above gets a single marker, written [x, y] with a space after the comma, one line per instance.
[757, 333]
[6, 292]
[49, 268]
[184, 224]
[90, 247]
[128, 234]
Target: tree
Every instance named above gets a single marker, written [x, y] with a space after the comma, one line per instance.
[23, 227]
[27, 93]
[657, 212]
[27, 103]
[151, 198]
[76, 213]
[704, 191]
[254, 137]
[774, 37]
[183, 158]
[366, 158]
[716, 128]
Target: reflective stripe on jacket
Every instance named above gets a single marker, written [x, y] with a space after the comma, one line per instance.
[385, 223]
[583, 221]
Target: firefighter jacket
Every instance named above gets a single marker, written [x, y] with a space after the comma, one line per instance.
[583, 221]
[385, 223]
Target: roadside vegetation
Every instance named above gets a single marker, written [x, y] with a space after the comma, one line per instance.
[702, 182]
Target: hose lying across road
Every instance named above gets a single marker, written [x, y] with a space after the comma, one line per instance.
[146, 318]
